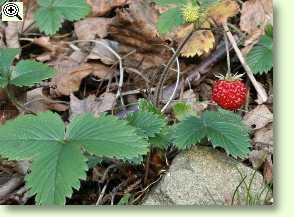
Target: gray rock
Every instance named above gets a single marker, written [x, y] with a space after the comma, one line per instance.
[204, 176]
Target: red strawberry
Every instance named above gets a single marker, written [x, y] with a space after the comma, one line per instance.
[229, 92]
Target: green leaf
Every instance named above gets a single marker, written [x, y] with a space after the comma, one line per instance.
[228, 133]
[207, 3]
[147, 106]
[51, 13]
[260, 58]
[170, 2]
[223, 128]
[48, 20]
[7, 56]
[106, 137]
[56, 152]
[147, 124]
[169, 20]
[188, 132]
[2, 2]
[183, 110]
[28, 73]
[55, 172]
[163, 139]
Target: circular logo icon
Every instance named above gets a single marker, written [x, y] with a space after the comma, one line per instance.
[11, 10]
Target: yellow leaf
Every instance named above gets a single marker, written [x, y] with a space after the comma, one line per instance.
[201, 42]
[222, 11]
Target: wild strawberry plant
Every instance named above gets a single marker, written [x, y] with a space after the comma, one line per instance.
[57, 151]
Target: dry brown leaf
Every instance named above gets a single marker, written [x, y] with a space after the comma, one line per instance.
[136, 27]
[92, 104]
[258, 117]
[36, 101]
[69, 76]
[264, 139]
[222, 11]
[255, 15]
[101, 71]
[89, 28]
[102, 7]
[100, 52]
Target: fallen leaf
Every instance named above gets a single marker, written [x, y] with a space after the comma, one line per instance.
[258, 117]
[87, 29]
[255, 15]
[36, 101]
[222, 11]
[100, 52]
[92, 104]
[102, 7]
[69, 76]
[264, 138]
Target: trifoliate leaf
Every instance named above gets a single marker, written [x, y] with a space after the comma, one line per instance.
[7, 56]
[106, 137]
[223, 128]
[169, 20]
[260, 58]
[28, 73]
[147, 124]
[56, 153]
[51, 13]
[171, 2]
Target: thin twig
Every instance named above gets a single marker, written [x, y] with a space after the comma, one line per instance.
[228, 53]
[256, 85]
[164, 74]
[177, 83]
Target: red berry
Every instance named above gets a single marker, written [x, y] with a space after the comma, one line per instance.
[229, 94]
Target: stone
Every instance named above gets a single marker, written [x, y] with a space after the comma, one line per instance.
[205, 176]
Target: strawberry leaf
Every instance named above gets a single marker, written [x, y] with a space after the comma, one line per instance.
[146, 123]
[56, 152]
[223, 128]
[51, 13]
[7, 56]
[169, 20]
[28, 73]
[260, 58]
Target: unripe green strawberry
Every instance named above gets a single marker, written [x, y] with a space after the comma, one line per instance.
[229, 93]
[191, 13]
